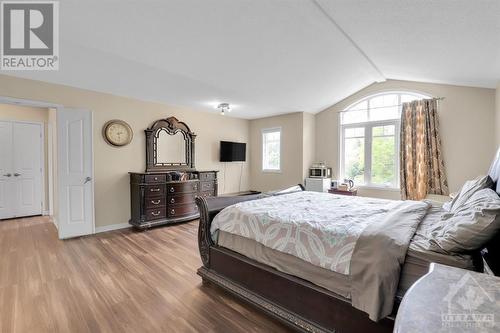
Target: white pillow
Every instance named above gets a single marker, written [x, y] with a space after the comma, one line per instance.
[470, 187]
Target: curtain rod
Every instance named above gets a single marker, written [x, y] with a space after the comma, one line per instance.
[387, 106]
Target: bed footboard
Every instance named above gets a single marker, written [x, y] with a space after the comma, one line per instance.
[209, 207]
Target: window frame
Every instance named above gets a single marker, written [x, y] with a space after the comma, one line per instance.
[265, 131]
[368, 137]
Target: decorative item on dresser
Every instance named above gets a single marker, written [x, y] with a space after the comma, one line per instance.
[166, 192]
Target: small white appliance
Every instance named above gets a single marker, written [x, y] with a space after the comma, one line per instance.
[320, 170]
[318, 184]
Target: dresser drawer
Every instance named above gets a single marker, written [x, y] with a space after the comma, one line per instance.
[155, 202]
[187, 187]
[182, 210]
[154, 190]
[207, 186]
[151, 179]
[180, 199]
[156, 213]
[207, 175]
[206, 194]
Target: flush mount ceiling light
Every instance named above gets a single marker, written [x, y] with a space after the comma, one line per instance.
[223, 107]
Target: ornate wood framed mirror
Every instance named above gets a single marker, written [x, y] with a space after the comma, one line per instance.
[169, 146]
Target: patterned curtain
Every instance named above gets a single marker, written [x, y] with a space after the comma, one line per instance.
[422, 167]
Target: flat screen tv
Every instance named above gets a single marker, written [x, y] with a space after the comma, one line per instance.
[232, 151]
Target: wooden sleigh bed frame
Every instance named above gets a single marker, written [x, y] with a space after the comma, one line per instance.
[298, 303]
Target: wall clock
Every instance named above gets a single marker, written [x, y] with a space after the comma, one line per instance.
[117, 133]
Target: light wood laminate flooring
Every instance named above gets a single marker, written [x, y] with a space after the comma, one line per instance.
[119, 281]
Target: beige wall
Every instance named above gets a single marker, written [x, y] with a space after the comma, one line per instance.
[298, 139]
[291, 152]
[308, 143]
[112, 197]
[22, 113]
[467, 121]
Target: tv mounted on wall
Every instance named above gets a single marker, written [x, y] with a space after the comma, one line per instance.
[232, 151]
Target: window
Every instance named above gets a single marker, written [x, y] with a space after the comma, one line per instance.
[370, 139]
[271, 149]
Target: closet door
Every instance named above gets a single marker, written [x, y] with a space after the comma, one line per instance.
[27, 170]
[6, 177]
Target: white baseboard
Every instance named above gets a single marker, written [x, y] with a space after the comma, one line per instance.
[112, 227]
[55, 222]
[45, 213]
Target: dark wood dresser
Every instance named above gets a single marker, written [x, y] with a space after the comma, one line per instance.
[157, 199]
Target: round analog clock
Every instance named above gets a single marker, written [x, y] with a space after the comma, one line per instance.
[117, 133]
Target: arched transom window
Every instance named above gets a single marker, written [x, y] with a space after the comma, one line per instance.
[369, 136]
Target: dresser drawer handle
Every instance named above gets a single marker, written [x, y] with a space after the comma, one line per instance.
[172, 200]
[172, 212]
[155, 202]
[156, 214]
[172, 190]
[156, 178]
[155, 190]
[195, 187]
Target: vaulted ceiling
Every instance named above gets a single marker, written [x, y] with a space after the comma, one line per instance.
[268, 57]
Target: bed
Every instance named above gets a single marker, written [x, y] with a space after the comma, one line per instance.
[345, 286]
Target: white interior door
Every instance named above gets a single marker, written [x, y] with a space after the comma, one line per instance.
[27, 171]
[75, 173]
[20, 169]
[6, 178]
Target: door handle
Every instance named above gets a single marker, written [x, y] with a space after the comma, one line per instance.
[87, 179]
[7, 175]
[17, 174]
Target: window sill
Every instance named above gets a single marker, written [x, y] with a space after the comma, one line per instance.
[378, 188]
[271, 171]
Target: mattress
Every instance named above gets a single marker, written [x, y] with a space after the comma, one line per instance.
[416, 263]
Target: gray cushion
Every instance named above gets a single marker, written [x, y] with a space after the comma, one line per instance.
[470, 187]
[471, 226]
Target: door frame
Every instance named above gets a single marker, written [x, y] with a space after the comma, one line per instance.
[57, 107]
[50, 165]
[45, 208]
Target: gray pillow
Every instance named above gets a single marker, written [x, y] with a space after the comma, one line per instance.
[471, 226]
[470, 187]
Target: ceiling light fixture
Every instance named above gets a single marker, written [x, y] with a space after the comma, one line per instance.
[223, 108]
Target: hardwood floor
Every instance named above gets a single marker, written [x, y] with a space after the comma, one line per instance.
[120, 281]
